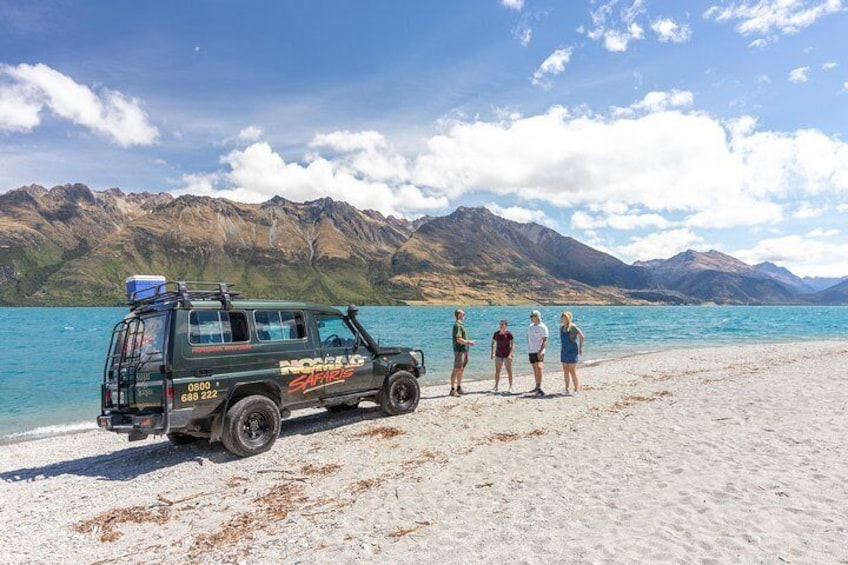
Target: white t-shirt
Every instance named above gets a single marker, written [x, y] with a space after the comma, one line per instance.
[535, 334]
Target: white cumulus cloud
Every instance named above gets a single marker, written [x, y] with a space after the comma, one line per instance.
[27, 91]
[808, 257]
[625, 222]
[258, 173]
[659, 245]
[251, 133]
[521, 214]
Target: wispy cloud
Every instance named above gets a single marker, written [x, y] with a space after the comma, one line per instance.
[799, 75]
[616, 26]
[657, 101]
[669, 30]
[764, 17]
[513, 4]
[552, 66]
[26, 91]
[523, 33]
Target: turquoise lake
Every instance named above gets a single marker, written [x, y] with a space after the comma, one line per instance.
[51, 359]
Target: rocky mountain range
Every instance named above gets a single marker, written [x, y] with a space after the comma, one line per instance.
[71, 245]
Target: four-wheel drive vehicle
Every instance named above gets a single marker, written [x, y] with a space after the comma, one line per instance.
[194, 360]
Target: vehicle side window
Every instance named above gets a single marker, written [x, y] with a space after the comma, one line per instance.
[333, 331]
[273, 325]
[217, 327]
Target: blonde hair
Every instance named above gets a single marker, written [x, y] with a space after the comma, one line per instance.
[568, 319]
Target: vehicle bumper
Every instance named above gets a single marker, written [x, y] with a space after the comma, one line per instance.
[137, 426]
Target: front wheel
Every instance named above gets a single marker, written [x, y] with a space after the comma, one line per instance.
[251, 426]
[400, 394]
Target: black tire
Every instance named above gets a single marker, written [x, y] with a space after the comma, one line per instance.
[251, 426]
[336, 408]
[400, 394]
[181, 439]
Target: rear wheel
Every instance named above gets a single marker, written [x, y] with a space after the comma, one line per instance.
[400, 393]
[181, 439]
[251, 426]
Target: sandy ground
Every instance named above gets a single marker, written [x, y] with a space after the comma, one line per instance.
[712, 455]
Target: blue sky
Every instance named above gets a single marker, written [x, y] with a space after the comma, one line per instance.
[640, 127]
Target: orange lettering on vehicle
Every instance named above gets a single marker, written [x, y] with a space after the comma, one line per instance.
[306, 383]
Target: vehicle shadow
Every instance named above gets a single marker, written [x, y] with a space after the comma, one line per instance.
[123, 464]
[127, 464]
[322, 421]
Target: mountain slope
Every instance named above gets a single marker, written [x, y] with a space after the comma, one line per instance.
[472, 254]
[713, 276]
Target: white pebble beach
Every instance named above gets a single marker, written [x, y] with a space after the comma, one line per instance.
[732, 454]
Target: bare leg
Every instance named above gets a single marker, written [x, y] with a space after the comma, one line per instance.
[565, 375]
[461, 370]
[509, 370]
[572, 370]
[498, 366]
[537, 373]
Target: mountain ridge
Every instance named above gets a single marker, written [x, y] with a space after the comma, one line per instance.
[72, 245]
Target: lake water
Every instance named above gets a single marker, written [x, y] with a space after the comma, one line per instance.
[51, 359]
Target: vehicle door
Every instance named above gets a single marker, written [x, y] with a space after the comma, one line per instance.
[134, 379]
[348, 366]
[290, 350]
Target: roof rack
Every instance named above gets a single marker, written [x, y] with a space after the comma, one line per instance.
[181, 294]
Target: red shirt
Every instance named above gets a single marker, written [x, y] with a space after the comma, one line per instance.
[503, 341]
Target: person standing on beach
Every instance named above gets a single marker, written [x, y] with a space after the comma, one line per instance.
[572, 347]
[537, 338]
[502, 347]
[461, 343]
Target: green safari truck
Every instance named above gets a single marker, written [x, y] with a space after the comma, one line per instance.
[196, 360]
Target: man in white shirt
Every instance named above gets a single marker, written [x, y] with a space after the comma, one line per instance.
[537, 338]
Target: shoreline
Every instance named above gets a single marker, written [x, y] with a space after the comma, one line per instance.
[731, 454]
[82, 425]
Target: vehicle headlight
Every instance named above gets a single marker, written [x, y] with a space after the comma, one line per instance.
[416, 356]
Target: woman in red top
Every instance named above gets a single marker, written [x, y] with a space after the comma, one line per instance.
[502, 345]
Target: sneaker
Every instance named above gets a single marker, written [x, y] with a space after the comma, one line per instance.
[540, 392]
[566, 392]
[459, 391]
[453, 392]
[494, 390]
[510, 391]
